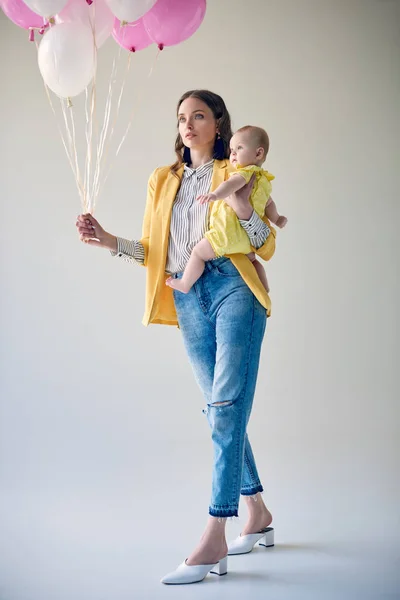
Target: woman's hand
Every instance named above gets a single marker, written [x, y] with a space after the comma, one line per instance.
[244, 193]
[91, 232]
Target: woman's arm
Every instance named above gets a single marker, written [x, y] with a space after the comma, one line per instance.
[256, 229]
[91, 232]
[130, 251]
[260, 232]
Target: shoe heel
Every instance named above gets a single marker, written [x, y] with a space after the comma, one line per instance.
[268, 539]
[221, 568]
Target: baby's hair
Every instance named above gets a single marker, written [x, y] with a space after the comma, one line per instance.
[260, 135]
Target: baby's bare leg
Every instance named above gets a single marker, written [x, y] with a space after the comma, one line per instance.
[260, 270]
[195, 267]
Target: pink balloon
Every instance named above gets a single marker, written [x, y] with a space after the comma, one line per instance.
[94, 13]
[18, 12]
[132, 36]
[170, 22]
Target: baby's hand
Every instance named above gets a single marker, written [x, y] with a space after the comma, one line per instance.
[281, 222]
[205, 198]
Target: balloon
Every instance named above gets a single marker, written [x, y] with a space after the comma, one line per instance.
[46, 8]
[130, 10]
[20, 14]
[97, 16]
[67, 58]
[132, 36]
[170, 22]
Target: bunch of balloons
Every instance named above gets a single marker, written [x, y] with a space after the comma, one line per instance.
[74, 30]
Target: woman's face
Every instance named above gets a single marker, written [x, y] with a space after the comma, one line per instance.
[197, 124]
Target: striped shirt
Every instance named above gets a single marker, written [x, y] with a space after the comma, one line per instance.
[189, 222]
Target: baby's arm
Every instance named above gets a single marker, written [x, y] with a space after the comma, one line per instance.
[270, 211]
[272, 214]
[225, 189]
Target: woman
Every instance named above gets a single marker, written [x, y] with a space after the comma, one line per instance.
[222, 319]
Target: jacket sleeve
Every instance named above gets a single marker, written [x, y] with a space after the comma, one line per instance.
[146, 228]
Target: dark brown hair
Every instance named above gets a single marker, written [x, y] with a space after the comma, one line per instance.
[220, 112]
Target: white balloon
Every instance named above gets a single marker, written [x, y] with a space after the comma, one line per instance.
[46, 8]
[97, 16]
[67, 58]
[130, 10]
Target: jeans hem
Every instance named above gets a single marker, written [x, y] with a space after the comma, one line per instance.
[223, 512]
[252, 491]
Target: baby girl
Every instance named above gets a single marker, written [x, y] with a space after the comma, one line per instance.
[248, 151]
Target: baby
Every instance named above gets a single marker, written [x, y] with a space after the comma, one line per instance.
[248, 151]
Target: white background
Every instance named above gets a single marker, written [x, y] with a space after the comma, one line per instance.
[105, 454]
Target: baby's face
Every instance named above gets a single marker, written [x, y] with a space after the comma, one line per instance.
[243, 150]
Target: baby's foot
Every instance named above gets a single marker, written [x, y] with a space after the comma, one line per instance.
[177, 284]
[281, 222]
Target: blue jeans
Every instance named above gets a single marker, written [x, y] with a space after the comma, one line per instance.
[223, 326]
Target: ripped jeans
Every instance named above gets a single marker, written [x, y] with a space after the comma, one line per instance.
[223, 326]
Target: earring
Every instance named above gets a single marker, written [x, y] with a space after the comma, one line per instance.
[187, 159]
[219, 147]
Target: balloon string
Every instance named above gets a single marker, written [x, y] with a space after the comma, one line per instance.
[89, 189]
[72, 145]
[138, 98]
[135, 105]
[78, 173]
[106, 121]
[64, 143]
[116, 116]
[87, 127]
[46, 24]
[90, 117]
[89, 136]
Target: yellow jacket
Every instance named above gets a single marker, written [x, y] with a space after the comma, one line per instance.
[162, 189]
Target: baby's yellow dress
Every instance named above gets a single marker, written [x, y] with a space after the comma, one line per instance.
[225, 234]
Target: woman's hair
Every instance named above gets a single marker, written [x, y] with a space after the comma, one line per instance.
[220, 112]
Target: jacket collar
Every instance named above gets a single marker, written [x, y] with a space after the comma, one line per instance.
[172, 186]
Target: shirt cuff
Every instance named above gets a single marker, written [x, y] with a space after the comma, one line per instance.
[129, 250]
[256, 229]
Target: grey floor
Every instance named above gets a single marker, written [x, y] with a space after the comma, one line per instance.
[94, 549]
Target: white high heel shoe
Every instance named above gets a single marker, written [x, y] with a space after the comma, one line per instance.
[245, 543]
[195, 573]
